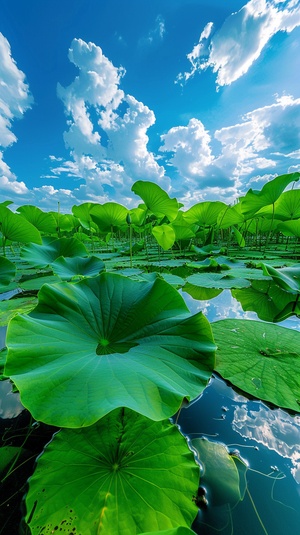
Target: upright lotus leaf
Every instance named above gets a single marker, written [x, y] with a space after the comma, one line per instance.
[156, 199]
[43, 221]
[110, 214]
[122, 476]
[229, 216]
[254, 200]
[287, 206]
[183, 229]
[287, 278]
[43, 255]
[67, 222]
[16, 228]
[164, 235]
[205, 213]
[7, 271]
[107, 342]
[219, 472]
[83, 214]
[261, 359]
[239, 237]
[138, 216]
[290, 228]
[77, 266]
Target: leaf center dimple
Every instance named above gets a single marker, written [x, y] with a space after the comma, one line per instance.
[102, 346]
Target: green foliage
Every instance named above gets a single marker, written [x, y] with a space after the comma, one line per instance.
[15, 228]
[219, 472]
[156, 199]
[44, 222]
[43, 255]
[116, 341]
[109, 357]
[254, 200]
[261, 359]
[7, 271]
[108, 479]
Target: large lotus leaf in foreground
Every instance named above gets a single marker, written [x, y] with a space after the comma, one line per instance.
[122, 476]
[261, 359]
[106, 342]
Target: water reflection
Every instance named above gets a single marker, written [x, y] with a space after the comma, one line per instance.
[225, 306]
[274, 429]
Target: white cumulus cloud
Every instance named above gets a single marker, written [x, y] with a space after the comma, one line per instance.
[15, 99]
[107, 129]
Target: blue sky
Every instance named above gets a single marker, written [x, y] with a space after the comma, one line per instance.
[201, 97]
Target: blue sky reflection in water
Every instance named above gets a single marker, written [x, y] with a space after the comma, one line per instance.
[200, 97]
[268, 440]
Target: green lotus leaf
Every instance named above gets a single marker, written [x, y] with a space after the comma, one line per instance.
[268, 300]
[110, 214]
[164, 235]
[124, 475]
[290, 228]
[82, 213]
[43, 255]
[204, 213]
[107, 342]
[156, 199]
[260, 359]
[7, 271]
[219, 472]
[43, 221]
[7, 455]
[217, 280]
[16, 228]
[254, 200]
[229, 216]
[11, 307]
[287, 206]
[68, 268]
[287, 278]
[201, 293]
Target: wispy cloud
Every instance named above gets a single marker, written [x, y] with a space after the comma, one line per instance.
[232, 49]
[15, 99]
[155, 35]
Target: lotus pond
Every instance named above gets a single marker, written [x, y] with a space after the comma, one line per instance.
[151, 367]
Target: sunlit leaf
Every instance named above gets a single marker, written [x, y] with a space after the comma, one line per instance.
[205, 213]
[290, 228]
[156, 199]
[117, 341]
[229, 216]
[122, 476]
[256, 199]
[110, 214]
[16, 228]
[11, 307]
[164, 235]
[43, 221]
[287, 206]
[260, 358]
